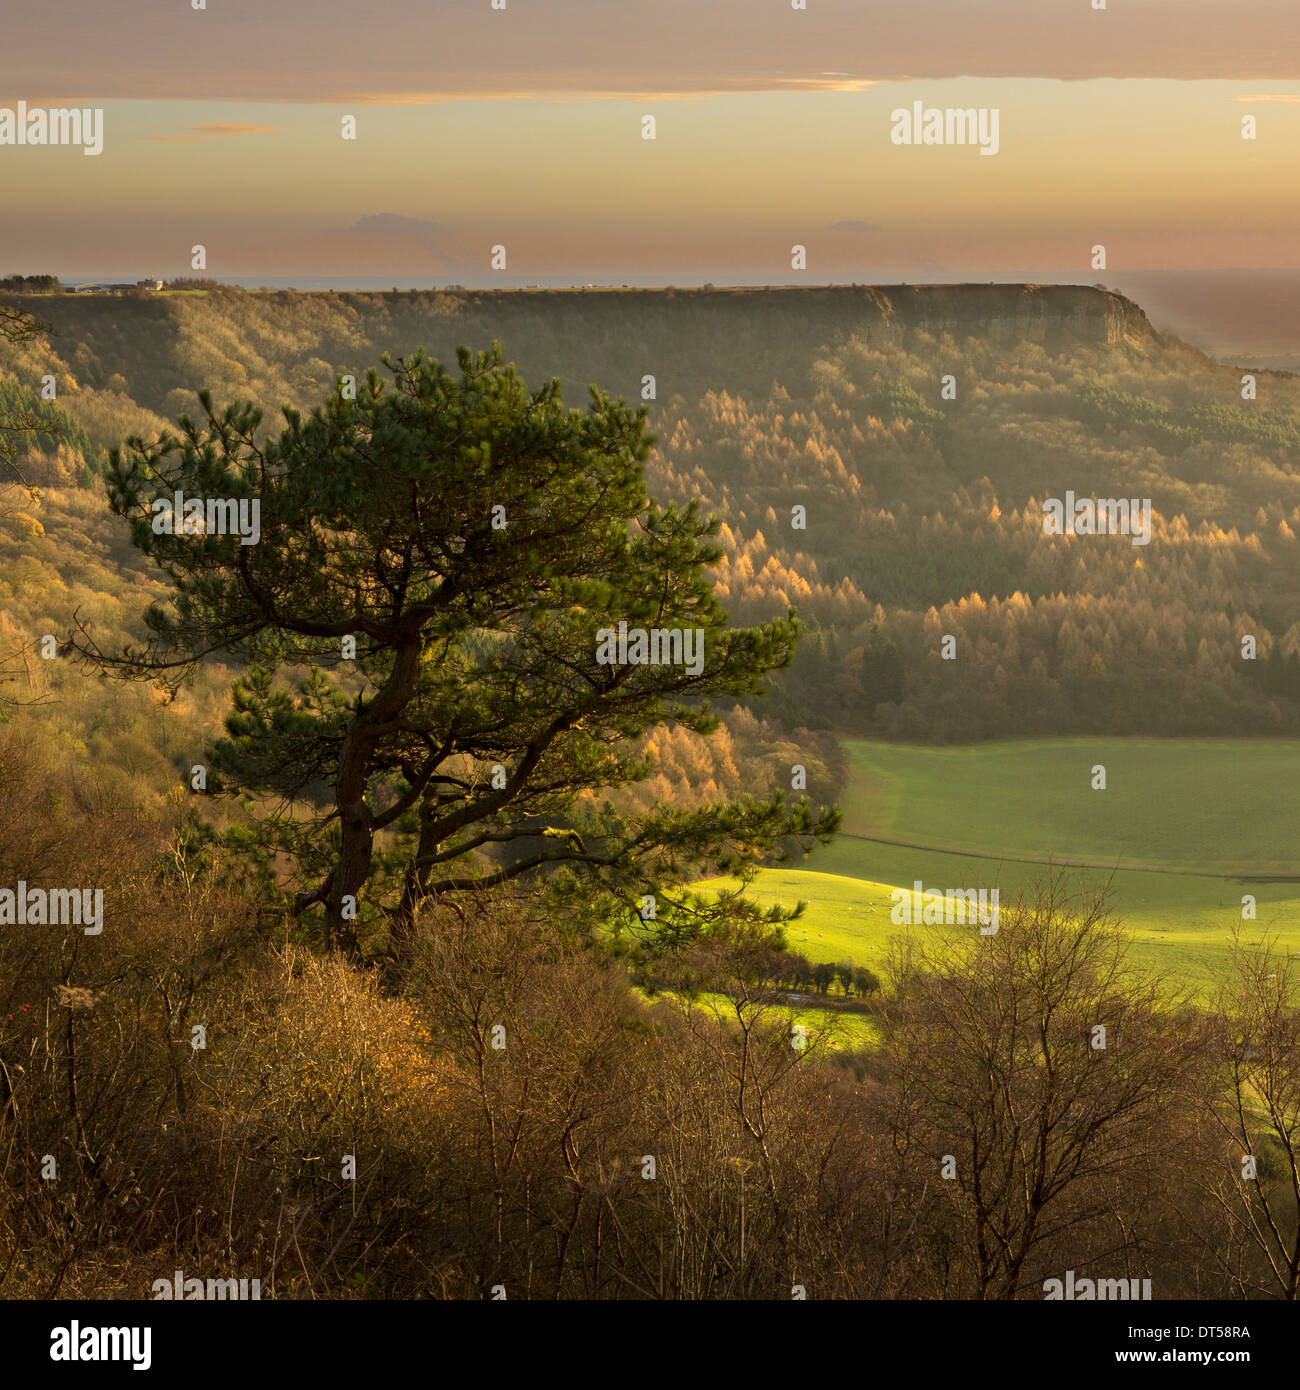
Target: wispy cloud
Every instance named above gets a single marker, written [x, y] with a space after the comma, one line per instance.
[394, 224]
[607, 49]
[560, 88]
[213, 130]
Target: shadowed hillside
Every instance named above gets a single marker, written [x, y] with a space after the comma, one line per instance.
[285, 345]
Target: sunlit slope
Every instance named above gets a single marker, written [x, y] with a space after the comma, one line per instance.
[1177, 924]
[1212, 821]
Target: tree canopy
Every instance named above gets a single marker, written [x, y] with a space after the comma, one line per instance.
[440, 560]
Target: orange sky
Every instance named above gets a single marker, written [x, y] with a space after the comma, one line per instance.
[332, 50]
[773, 128]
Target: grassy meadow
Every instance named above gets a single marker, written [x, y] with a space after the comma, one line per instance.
[1183, 829]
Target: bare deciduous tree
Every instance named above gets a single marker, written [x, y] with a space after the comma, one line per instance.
[1028, 1118]
[1255, 1103]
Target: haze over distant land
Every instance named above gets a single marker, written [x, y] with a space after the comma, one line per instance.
[1154, 170]
[1247, 316]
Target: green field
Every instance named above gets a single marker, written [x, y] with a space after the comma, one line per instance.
[824, 1025]
[1183, 830]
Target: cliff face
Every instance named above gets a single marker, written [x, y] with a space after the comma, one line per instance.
[274, 347]
[1005, 313]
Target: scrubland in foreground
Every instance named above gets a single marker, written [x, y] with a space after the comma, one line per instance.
[197, 1091]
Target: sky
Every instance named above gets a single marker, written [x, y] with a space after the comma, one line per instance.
[523, 128]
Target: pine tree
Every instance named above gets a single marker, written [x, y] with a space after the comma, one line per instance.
[473, 539]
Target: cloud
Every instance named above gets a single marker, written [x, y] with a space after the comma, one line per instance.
[393, 224]
[214, 130]
[142, 50]
[427, 234]
[853, 224]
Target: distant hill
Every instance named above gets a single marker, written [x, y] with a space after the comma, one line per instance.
[919, 428]
[286, 345]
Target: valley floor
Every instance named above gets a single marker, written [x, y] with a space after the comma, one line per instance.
[1183, 830]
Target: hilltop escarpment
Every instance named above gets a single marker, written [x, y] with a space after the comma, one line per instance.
[287, 346]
